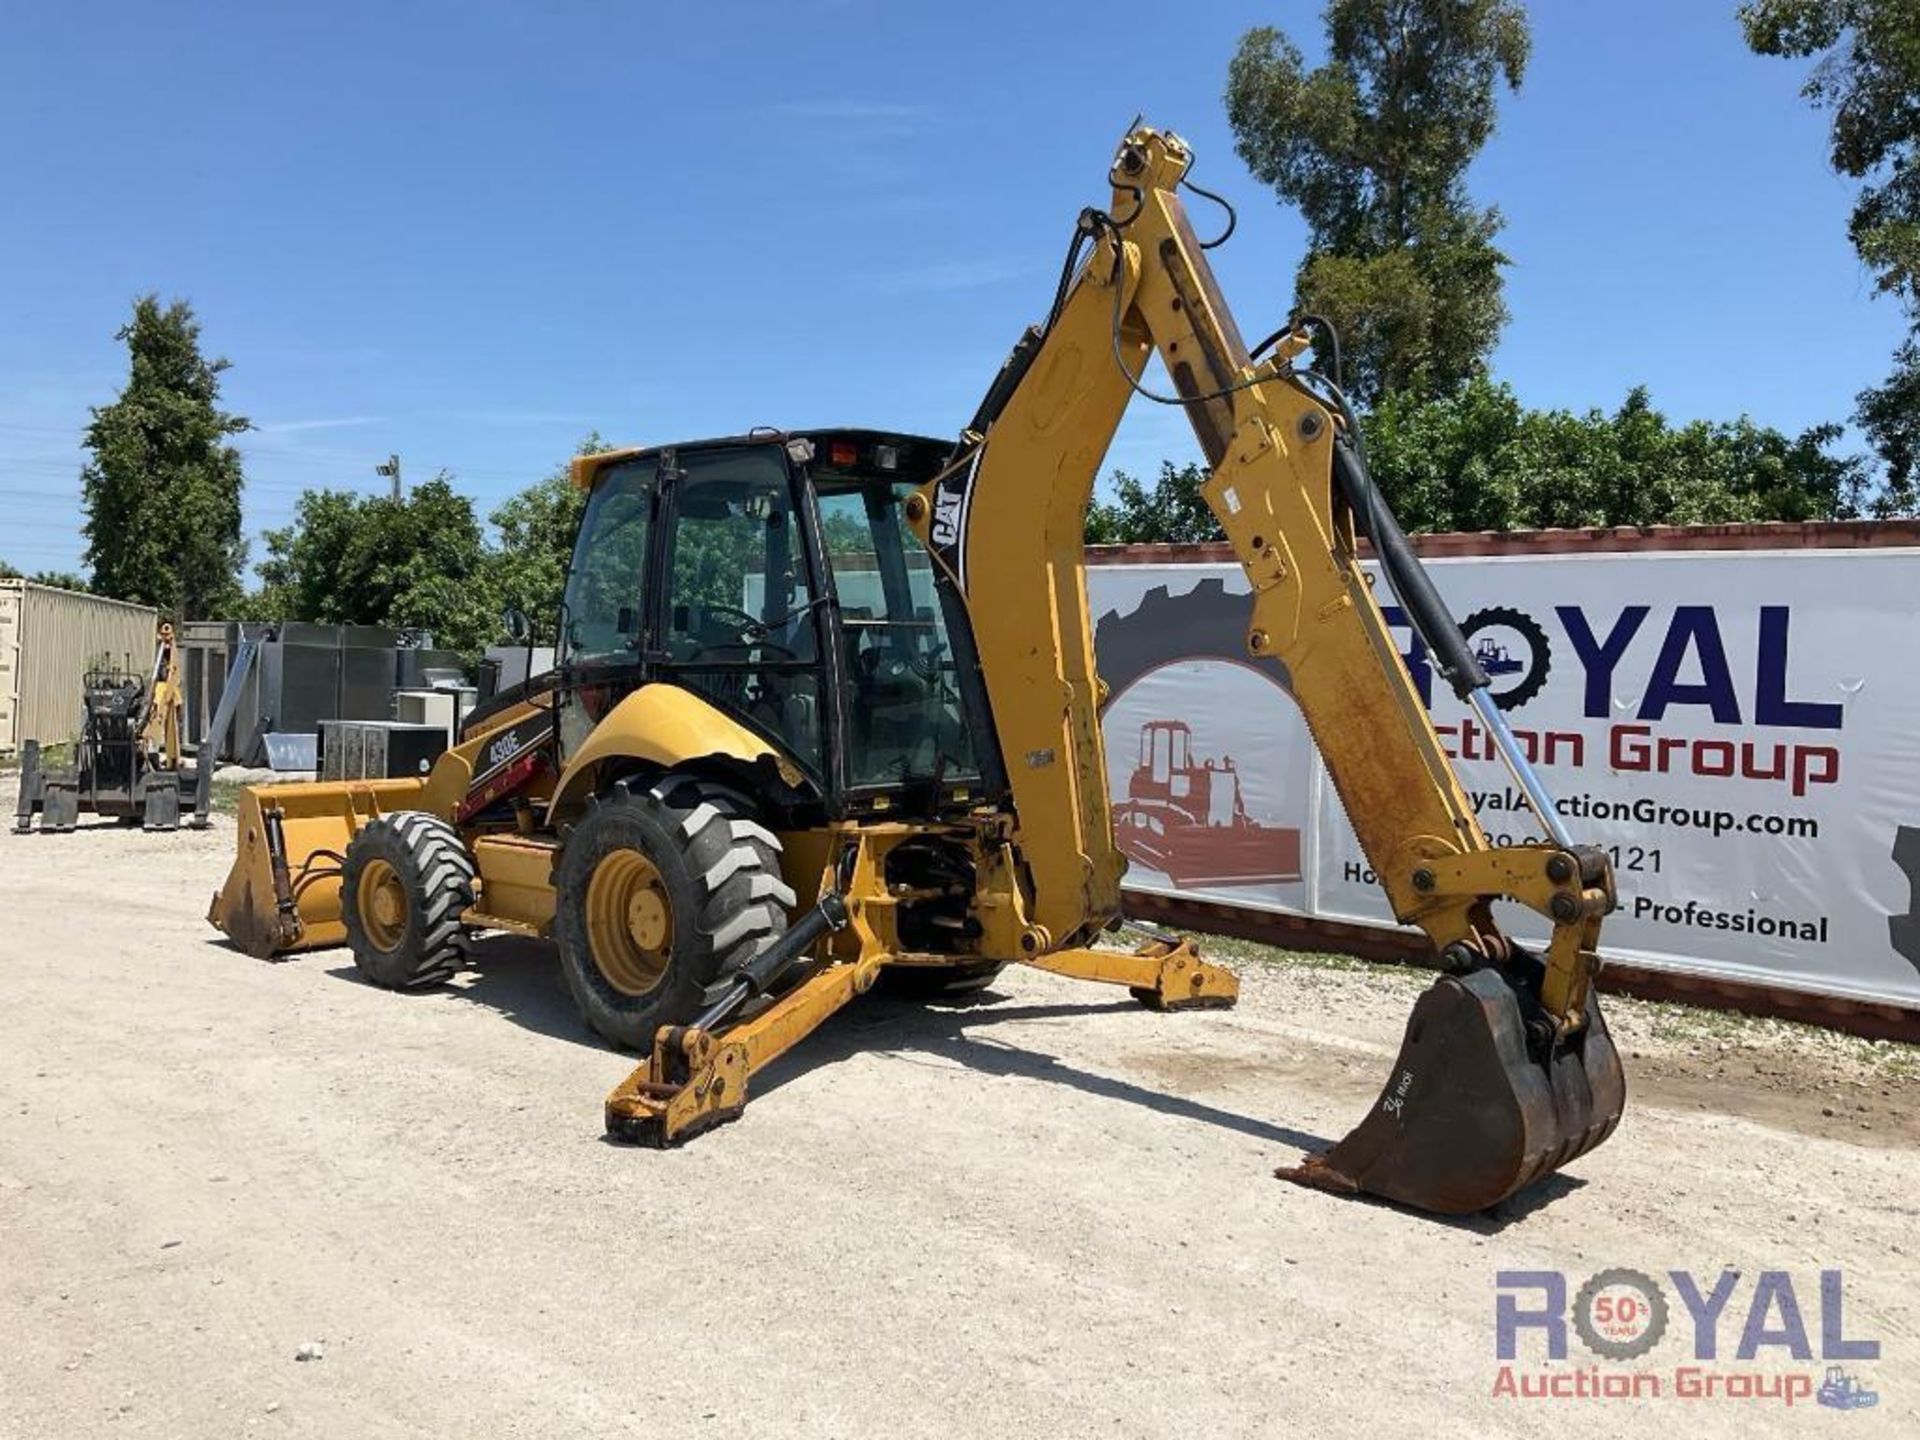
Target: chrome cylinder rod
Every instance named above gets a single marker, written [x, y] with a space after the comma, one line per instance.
[1522, 769]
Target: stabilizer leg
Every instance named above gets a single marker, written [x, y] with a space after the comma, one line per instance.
[59, 804]
[695, 1080]
[160, 807]
[1163, 974]
[31, 782]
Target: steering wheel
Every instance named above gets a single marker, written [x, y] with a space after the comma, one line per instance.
[753, 632]
[926, 663]
[882, 669]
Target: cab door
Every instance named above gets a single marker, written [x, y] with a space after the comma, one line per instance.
[737, 620]
[604, 622]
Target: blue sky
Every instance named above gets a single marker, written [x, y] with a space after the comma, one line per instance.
[471, 233]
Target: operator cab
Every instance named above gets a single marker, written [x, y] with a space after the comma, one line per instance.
[773, 574]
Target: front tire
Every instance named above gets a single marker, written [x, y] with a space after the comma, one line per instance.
[407, 881]
[660, 892]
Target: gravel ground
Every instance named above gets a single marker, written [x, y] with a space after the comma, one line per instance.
[1046, 1213]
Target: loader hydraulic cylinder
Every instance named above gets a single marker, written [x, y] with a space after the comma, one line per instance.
[771, 963]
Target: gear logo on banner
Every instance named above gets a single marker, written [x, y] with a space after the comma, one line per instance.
[1208, 622]
[1904, 930]
[1513, 650]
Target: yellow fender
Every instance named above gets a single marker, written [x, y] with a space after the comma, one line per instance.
[667, 726]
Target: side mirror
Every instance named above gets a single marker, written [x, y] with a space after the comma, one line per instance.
[515, 621]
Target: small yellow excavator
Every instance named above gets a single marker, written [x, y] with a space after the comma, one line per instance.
[825, 713]
[127, 763]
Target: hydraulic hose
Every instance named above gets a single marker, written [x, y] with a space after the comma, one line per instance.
[1431, 619]
[770, 964]
[1433, 622]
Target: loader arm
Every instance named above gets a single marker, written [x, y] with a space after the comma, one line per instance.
[1289, 486]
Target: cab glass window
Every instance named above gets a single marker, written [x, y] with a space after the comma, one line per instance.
[905, 719]
[605, 585]
[739, 618]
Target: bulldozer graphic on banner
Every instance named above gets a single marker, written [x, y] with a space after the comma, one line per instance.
[1188, 819]
[1494, 659]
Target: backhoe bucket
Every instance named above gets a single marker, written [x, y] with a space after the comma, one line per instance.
[1474, 1108]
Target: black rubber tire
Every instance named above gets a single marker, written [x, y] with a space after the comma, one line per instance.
[436, 871]
[938, 982]
[721, 871]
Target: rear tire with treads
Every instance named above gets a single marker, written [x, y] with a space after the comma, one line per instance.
[695, 876]
[407, 880]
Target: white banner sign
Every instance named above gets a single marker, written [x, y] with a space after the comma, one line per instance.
[1741, 730]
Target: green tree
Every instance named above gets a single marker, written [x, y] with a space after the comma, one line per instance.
[162, 491]
[1373, 146]
[1170, 511]
[419, 562]
[1867, 73]
[536, 529]
[1890, 414]
[1480, 460]
[60, 580]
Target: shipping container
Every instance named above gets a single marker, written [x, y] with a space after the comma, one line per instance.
[49, 639]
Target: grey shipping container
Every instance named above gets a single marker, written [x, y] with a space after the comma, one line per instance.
[49, 639]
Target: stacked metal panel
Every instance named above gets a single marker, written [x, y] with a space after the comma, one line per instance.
[378, 749]
[306, 673]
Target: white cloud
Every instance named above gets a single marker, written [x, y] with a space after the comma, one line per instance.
[344, 422]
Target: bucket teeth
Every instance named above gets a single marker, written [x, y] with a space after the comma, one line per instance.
[1473, 1110]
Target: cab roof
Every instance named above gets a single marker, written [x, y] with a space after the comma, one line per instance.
[585, 470]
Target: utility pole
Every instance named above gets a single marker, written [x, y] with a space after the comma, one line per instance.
[392, 471]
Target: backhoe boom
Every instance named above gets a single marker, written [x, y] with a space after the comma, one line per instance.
[1290, 489]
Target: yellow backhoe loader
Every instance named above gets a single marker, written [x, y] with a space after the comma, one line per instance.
[825, 711]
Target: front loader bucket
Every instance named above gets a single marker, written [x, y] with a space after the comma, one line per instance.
[301, 830]
[1475, 1109]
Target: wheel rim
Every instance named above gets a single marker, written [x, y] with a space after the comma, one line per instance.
[383, 906]
[629, 922]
